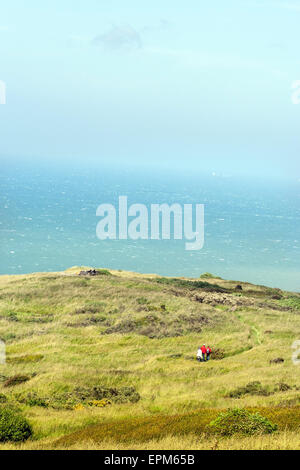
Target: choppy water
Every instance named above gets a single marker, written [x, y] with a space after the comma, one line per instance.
[48, 223]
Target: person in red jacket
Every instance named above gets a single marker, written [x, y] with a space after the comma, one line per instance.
[203, 349]
[208, 353]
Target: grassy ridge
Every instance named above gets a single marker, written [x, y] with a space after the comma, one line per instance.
[65, 332]
[139, 430]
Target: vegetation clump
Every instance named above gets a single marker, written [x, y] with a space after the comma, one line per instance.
[277, 360]
[94, 396]
[240, 421]
[252, 388]
[95, 272]
[209, 276]
[157, 325]
[292, 301]
[218, 354]
[116, 395]
[16, 380]
[256, 388]
[3, 398]
[99, 403]
[192, 285]
[32, 399]
[13, 426]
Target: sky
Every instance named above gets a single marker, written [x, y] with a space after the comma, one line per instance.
[205, 85]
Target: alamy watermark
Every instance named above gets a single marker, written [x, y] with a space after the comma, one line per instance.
[2, 352]
[2, 92]
[161, 222]
[296, 92]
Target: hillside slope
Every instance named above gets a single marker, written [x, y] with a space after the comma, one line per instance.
[119, 348]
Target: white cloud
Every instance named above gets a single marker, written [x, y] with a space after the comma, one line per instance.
[119, 37]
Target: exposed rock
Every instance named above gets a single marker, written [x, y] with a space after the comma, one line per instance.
[238, 287]
[278, 360]
[90, 272]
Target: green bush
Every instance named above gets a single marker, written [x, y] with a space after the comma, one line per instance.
[239, 421]
[252, 388]
[104, 272]
[189, 284]
[3, 398]
[31, 399]
[13, 426]
[209, 276]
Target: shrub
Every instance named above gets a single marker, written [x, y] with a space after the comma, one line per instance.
[99, 403]
[32, 399]
[184, 283]
[12, 317]
[78, 407]
[16, 380]
[103, 272]
[217, 354]
[3, 398]
[121, 395]
[142, 301]
[252, 388]
[239, 421]
[95, 396]
[13, 426]
[209, 276]
[282, 387]
[291, 301]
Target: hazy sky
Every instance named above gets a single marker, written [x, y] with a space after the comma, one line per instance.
[205, 84]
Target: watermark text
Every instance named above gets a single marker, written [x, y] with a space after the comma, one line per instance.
[160, 222]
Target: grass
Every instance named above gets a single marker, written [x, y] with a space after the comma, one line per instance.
[125, 329]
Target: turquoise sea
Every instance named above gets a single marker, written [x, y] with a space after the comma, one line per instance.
[48, 223]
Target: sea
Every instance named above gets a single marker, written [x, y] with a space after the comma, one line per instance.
[48, 222]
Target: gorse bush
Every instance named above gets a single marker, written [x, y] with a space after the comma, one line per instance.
[13, 426]
[239, 421]
[99, 403]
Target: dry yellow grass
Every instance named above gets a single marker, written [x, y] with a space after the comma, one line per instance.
[63, 318]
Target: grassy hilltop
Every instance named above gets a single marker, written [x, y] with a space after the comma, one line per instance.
[109, 361]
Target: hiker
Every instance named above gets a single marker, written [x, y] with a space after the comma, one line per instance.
[203, 349]
[199, 354]
[208, 353]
